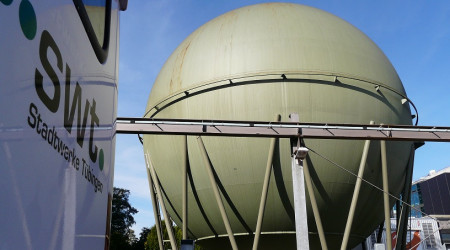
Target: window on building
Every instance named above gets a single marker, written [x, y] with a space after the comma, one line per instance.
[430, 240]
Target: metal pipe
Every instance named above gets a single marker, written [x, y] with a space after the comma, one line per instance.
[400, 228]
[381, 128]
[173, 243]
[406, 199]
[351, 212]
[315, 209]
[184, 187]
[380, 232]
[387, 214]
[155, 206]
[216, 193]
[262, 204]
[397, 212]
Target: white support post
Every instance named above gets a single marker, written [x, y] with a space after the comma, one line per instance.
[315, 208]
[155, 206]
[298, 185]
[351, 212]
[387, 214]
[301, 217]
[167, 221]
[216, 191]
[265, 189]
[184, 188]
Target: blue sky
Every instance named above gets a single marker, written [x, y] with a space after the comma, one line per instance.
[415, 36]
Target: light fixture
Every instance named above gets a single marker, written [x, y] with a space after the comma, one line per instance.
[404, 100]
[300, 154]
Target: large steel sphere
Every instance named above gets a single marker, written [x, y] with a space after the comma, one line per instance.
[231, 69]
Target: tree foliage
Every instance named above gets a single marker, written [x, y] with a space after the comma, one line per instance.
[140, 243]
[152, 238]
[122, 236]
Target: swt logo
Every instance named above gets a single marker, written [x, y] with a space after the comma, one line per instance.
[72, 100]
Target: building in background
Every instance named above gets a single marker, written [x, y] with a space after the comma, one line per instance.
[428, 225]
[423, 233]
[431, 194]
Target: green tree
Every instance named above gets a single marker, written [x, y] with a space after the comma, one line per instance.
[122, 236]
[140, 243]
[152, 237]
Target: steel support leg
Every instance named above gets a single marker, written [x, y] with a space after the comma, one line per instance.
[262, 204]
[387, 214]
[315, 209]
[185, 188]
[406, 199]
[155, 206]
[167, 221]
[398, 206]
[364, 244]
[298, 185]
[380, 232]
[301, 217]
[351, 212]
[216, 193]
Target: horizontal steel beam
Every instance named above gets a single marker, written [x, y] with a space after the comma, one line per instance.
[281, 129]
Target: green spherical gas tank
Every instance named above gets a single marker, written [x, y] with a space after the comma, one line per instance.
[254, 63]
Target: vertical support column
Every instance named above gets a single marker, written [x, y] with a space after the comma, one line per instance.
[387, 214]
[364, 244]
[312, 198]
[398, 206]
[155, 205]
[167, 221]
[185, 188]
[298, 185]
[262, 204]
[380, 232]
[351, 212]
[301, 217]
[406, 199]
[216, 193]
